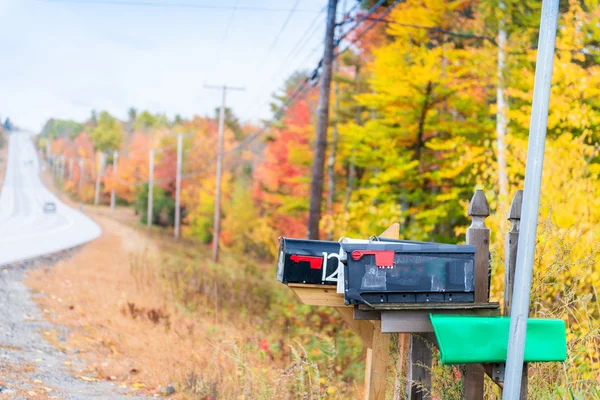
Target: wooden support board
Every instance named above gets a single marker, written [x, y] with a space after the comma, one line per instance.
[317, 295]
[419, 322]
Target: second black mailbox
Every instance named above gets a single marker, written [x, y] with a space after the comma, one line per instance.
[380, 272]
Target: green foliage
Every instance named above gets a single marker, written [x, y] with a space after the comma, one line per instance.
[231, 121]
[163, 206]
[58, 128]
[132, 114]
[147, 121]
[107, 134]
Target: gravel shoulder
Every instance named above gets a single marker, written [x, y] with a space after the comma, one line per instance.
[30, 366]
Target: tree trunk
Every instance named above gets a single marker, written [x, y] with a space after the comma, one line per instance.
[357, 121]
[421, 130]
[501, 112]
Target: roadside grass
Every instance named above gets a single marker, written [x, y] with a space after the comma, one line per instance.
[150, 312]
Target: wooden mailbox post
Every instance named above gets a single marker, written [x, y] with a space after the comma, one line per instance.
[377, 344]
[373, 323]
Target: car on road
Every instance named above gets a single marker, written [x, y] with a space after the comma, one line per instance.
[49, 207]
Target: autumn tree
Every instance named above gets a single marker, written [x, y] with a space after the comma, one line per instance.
[107, 135]
[429, 97]
[281, 181]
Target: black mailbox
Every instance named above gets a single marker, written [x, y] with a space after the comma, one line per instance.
[380, 272]
[308, 261]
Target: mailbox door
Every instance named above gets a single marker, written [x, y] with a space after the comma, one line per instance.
[308, 261]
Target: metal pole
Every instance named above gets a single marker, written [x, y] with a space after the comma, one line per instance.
[150, 188]
[70, 168]
[114, 180]
[217, 216]
[178, 185]
[98, 175]
[62, 168]
[81, 165]
[531, 198]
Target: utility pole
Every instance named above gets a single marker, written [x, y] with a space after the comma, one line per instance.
[61, 168]
[70, 168]
[531, 199]
[98, 176]
[150, 187]
[217, 216]
[114, 180]
[81, 165]
[316, 185]
[178, 185]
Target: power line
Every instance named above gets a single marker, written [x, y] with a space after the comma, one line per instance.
[314, 74]
[177, 5]
[369, 27]
[346, 15]
[304, 39]
[363, 18]
[254, 103]
[296, 49]
[278, 35]
[225, 33]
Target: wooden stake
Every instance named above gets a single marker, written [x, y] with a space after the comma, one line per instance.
[479, 236]
[419, 369]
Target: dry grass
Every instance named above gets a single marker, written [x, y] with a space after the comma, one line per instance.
[121, 328]
[126, 321]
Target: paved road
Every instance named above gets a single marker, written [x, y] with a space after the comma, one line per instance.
[25, 230]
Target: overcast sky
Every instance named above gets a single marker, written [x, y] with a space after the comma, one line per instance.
[63, 58]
